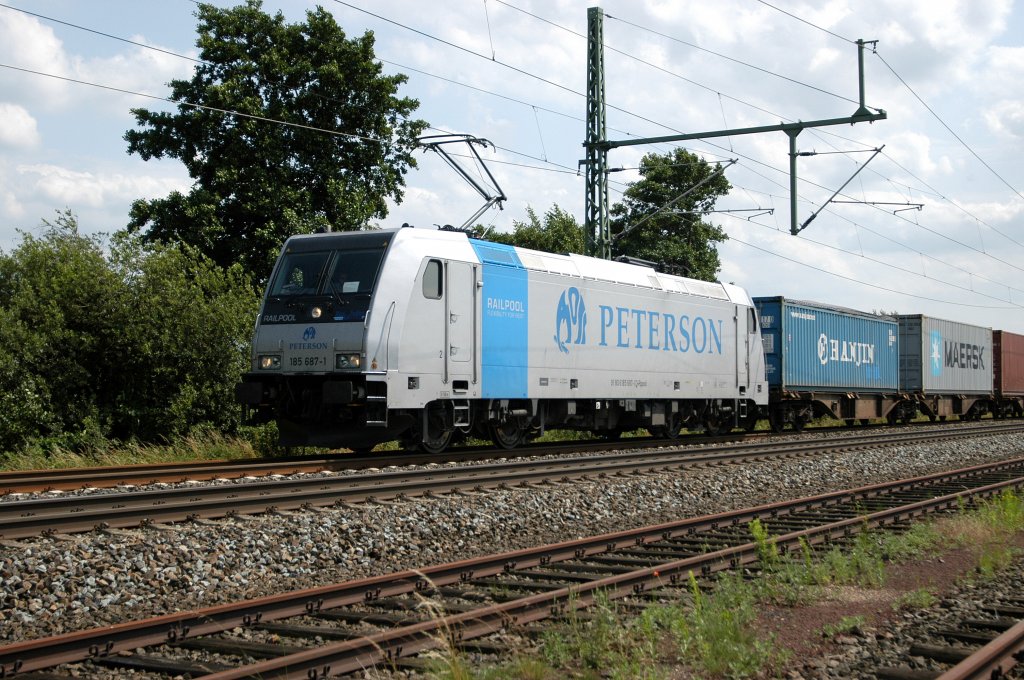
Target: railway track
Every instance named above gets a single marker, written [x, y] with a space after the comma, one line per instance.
[353, 626]
[34, 481]
[971, 649]
[133, 508]
[70, 479]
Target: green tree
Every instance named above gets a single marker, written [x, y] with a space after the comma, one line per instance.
[667, 229]
[126, 341]
[255, 182]
[559, 232]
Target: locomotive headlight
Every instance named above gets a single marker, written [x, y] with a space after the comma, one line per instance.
[269, 362]
[316, 312]
[347, 361]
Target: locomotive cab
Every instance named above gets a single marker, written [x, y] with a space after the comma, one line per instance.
[309, 347]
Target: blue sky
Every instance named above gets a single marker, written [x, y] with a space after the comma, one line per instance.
[949, 73]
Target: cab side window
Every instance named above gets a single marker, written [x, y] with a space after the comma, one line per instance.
[752, 322]
[432, 281]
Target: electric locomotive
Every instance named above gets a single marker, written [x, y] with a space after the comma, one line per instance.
[426, 336]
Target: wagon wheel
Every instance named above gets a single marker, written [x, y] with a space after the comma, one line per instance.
[776, 420]
[798, 423]
[509, 434]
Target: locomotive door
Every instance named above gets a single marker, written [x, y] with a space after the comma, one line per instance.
[461, 317]
[743, 331]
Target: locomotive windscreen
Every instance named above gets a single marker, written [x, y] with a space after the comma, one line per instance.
[344, 279]
[332, 273]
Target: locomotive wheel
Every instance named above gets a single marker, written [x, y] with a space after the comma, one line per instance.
[669, 431]
[507, 435]
[435, 443]
[715, 425]
[612, 435]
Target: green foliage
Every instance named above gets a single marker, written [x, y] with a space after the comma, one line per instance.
[559, 232]
[717, 635]
[767, 550]
[608, 644]
[847, 624]
[139, 342]
[668, 230]
[257, 182]
[920, 539]
[922, 598]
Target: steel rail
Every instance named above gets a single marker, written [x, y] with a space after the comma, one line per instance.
[31, 655]
[69, 479]
[994, 660]
[23, 519]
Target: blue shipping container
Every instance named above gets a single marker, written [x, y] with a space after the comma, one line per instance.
[813, 347]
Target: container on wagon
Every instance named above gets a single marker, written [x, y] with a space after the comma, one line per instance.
[811, 346]
[1008, 363]
[944, 357]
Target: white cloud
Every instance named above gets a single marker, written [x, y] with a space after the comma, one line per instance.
[1006, 119]
[76, 188]
[17, 127]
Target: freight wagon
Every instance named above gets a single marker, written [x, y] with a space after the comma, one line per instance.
[1008, 372]
[945, 367]
[826, 360]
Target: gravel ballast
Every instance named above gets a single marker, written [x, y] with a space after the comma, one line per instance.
[54, 585]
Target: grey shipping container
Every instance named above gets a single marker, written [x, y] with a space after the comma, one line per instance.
[815, 347]
[944, 357]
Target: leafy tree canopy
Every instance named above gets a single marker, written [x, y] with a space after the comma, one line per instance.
[559, 232]
[124, 340]
[257, 182]
[667, 229]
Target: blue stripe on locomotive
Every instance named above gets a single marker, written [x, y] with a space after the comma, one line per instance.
[808, 347]
[505, 309]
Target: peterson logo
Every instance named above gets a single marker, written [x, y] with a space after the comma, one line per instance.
[307, 336]
[571, 315]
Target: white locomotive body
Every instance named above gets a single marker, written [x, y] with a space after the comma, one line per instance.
[426, 335]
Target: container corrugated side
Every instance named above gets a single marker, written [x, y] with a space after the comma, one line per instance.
[944, 357]
[1008, 362]
[814, 347]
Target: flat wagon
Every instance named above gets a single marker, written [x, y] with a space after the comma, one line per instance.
[826, 360]
[946, 366]
[1008, 374]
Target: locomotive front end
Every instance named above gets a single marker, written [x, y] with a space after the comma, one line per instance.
[309, 346]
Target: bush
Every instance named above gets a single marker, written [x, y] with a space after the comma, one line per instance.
[131, 342]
